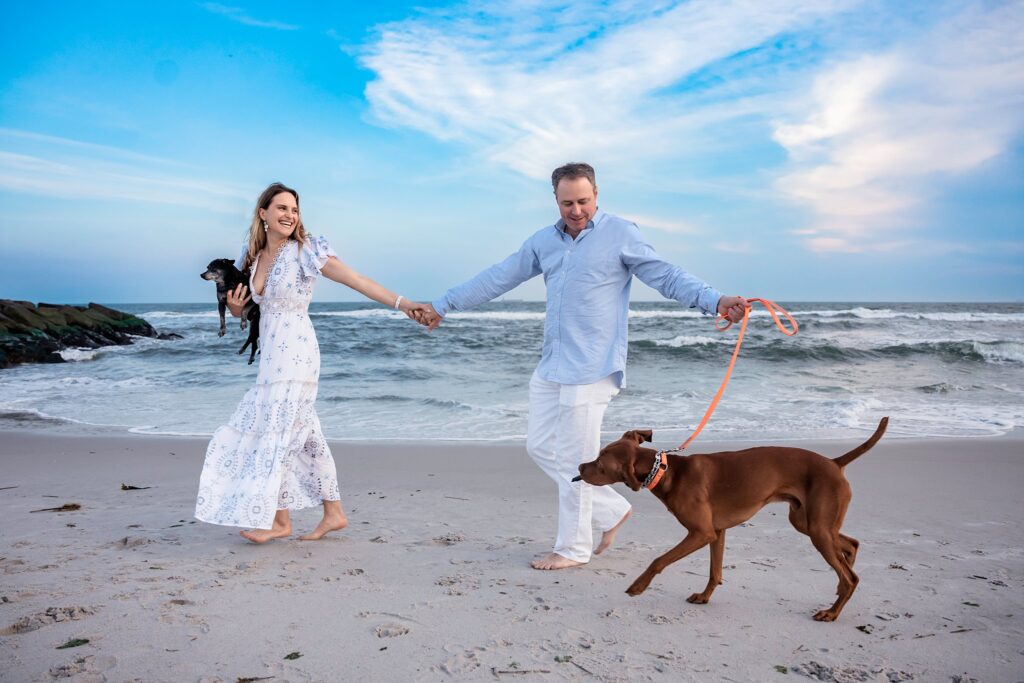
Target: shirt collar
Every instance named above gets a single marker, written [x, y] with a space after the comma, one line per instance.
[593, 222]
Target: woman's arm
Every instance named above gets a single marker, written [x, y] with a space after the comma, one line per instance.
[335, 270]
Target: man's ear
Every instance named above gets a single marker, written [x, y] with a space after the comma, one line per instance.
[639, 435]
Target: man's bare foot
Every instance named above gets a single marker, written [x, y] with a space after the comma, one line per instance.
[264, 535]
[330, 522]
[555, 561]
[609, 536]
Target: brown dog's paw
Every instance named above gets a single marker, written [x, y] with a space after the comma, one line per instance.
[825, 615]
[698, 599]
[638, 586]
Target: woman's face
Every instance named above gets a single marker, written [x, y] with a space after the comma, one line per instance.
[282, 216]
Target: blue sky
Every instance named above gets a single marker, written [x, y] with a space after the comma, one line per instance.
[820, 150]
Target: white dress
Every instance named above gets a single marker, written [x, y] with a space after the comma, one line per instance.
[272, 453]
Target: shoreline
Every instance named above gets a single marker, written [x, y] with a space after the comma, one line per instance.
[430, 581]
[700, 445]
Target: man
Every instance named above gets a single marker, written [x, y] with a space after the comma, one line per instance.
[588, 259]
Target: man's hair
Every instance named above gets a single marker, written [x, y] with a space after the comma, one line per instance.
[572, 172]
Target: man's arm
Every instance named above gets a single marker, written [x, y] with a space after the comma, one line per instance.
[490, 283]
[675, 283]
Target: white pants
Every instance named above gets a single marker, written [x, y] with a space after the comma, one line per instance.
[564, 430]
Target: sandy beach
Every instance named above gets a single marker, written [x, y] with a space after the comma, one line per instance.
[431, 579]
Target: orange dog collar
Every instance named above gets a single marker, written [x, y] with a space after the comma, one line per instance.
[657, 472]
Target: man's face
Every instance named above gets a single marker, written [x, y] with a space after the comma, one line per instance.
[577, 202]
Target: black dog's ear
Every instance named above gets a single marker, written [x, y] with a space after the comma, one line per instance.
[639, 435]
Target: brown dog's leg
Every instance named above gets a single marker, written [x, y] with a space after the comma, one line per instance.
[715, 578]
[827, 542]
[695, 540]
[849, 546]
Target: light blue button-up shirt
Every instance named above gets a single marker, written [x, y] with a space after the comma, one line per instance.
[588, 280]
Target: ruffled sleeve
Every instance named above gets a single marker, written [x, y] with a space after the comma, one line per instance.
[314, 254]
[240, 261]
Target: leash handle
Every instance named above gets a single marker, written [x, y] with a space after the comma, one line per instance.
[773, 309]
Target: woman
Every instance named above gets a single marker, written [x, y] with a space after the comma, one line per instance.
[272, 457]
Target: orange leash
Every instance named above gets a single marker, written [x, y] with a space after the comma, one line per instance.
[773, 309]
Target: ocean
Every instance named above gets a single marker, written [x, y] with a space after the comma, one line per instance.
[937, 370]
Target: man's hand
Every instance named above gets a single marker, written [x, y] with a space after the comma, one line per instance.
[237, 299]
[733, 307]
[424, 314]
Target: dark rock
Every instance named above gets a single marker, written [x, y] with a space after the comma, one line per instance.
[37, 334]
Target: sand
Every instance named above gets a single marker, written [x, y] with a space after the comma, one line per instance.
[431, 579]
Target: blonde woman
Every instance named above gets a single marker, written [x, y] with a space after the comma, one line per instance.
[272, 457]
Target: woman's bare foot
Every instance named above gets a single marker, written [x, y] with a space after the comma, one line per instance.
[332, 521]
[555, 561]
[609, 536]
[264, 535]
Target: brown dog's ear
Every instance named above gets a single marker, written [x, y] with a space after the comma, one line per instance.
[638, 435]
[629, 472]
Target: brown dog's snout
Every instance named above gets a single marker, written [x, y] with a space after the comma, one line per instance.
[577, 478]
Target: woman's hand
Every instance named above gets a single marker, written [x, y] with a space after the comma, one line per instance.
[424, 314]
[237, 299]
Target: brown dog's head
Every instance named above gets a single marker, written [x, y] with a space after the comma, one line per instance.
[617, 461]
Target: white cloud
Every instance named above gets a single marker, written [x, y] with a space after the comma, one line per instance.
[239, 15]
[735, 247]
[884, 128]
[72, 169]
[664, 225]
[532, 84]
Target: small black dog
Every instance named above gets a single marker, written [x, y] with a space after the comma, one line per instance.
[222, 271]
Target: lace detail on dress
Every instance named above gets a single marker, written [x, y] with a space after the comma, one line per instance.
[268, 306]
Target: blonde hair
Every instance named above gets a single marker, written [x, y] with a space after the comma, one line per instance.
[257, 235]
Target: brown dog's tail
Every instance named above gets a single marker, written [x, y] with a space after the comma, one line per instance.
[844, 460]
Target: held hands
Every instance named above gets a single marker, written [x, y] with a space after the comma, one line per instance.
[237, 299]
[732, 308]
[424, 314]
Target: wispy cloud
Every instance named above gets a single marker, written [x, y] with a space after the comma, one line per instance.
[72, 169]
[735, 247]
[531, 84]
[664, 225]
[883, 128]
[238, 14]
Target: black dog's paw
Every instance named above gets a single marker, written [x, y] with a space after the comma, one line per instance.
[221, 332]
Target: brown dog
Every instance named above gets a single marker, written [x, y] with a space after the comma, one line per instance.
[709, 493]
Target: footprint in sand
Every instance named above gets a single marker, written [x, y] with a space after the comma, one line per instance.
[449, 539]
[50, 616]
[88, 668]
[129, 542]
[461, 662]
[391, 630]
[457, 584]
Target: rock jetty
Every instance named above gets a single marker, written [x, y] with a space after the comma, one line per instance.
[37, 334]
